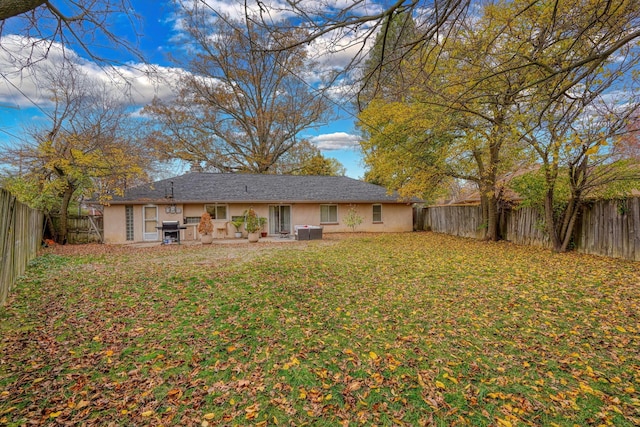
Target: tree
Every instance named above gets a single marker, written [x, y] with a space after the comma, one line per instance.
[353, 219]
[86, 149]
[404, 149]
[83, 23]
[573, 121]
[354, 26]
[627, 145]
[383, 75]
[492, 85]
[241, 108]
[321, 165]
[306, 159]
[457, 120]
[578, 148]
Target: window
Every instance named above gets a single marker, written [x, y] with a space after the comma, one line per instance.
[192, 220]
[128, 213]
[216, 211]
[328, 214]
[377, 213]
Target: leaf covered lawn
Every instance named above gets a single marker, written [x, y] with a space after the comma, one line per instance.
[398, 329]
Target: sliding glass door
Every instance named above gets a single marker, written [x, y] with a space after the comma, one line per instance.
[279, 219]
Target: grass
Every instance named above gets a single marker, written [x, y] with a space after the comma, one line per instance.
[398, 329]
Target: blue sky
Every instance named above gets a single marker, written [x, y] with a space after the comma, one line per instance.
[22, 103]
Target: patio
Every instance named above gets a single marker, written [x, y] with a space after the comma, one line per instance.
[224, 241]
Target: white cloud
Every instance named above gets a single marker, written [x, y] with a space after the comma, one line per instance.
[23, 61]
[336, 141]
[332, 51]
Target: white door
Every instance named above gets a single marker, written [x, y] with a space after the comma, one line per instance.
[150, 214]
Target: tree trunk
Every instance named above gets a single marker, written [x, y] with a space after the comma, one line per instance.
[568, 225]
[484, 206]
[53, 233]
[492, 219]
[550, 221]
[64, 213]
[11, 8]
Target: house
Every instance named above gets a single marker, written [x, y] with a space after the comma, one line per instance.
[285, 200]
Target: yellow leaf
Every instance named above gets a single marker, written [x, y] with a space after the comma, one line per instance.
[440, 384]
[55, 414]
[6, 411]
[147, 413]
[450, 378]
[209, 416]
[373, 355]
[293, 362]
[504, 423]
[328, 397]
[499, 395]
[621, 329]
[592, 150]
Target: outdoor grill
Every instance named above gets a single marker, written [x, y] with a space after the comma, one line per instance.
[171, 231]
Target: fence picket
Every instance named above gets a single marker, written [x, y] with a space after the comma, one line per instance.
[603, 227]
[20, 238]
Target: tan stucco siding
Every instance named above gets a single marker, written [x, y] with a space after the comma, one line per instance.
[114, 224]
[395, 218]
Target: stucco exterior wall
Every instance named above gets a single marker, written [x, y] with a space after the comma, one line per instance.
[114, 223]
[395, 218]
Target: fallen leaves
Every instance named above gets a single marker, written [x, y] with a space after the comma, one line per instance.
[408, 329]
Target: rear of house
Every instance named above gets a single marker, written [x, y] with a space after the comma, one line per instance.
[286, 201]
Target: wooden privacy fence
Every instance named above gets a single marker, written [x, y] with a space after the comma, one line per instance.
[20, 238]
[82, 229]
[604, 227]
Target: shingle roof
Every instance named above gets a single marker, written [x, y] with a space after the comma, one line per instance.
[253, 188]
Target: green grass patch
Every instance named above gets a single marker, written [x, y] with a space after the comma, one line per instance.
[413, 328]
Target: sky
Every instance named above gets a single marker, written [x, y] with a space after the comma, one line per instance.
[23, 103]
